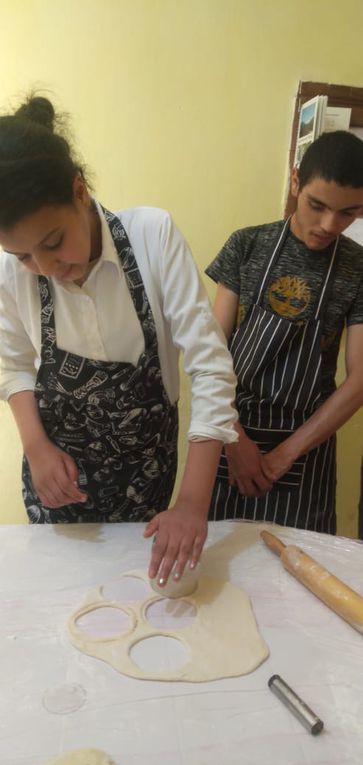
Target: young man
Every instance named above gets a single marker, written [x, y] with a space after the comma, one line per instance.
[286, 290]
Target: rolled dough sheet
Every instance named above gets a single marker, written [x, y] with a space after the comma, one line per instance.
[223, 641]
[83, 757]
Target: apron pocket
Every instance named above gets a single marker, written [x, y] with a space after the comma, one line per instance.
[266, 440]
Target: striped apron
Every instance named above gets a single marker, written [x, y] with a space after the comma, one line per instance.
[278, 368]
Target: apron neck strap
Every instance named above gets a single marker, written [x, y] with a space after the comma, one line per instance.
[257, 298]
[327, 286]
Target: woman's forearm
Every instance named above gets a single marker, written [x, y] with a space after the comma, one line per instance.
[199, 474]
[25, 411]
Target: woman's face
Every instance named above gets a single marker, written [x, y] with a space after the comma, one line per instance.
[57, 241]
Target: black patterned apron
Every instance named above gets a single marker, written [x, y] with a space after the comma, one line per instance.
[114, 418]
[278, 368]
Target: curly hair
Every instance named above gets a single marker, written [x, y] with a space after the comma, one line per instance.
[37, 168]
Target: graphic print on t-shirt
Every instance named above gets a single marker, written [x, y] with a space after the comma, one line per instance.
[289, 296]
[241, 315]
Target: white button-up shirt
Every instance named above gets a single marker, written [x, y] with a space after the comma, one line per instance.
[99, 321]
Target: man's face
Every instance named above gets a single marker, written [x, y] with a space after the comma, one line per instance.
[324, 210]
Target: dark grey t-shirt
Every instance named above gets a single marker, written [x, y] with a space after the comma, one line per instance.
[294, 286]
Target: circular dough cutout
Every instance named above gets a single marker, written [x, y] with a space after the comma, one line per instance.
[159, 653]
[171, 614]
[83, 757]
[104, 622]
[63, 699]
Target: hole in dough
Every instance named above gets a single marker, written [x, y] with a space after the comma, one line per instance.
[158, 653]
[104, 622]
[128, 589]
[171, 613]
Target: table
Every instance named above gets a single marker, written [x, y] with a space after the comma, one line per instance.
[46, 572]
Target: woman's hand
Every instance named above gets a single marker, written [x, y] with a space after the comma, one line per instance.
[180, 535]
[182, 530]
[54, 475]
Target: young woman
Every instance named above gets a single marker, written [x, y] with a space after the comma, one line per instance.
[94, 308]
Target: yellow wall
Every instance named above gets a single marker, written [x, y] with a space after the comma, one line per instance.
[183, 104]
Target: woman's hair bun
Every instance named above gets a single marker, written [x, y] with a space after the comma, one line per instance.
[38, 109]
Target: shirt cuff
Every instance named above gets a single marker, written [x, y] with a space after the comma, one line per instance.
[202, 432]
[8, 389]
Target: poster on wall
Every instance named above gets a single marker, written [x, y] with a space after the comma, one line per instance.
[311, 124]
[337, 118]
[355, 230]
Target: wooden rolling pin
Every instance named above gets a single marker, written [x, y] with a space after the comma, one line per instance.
[345, 602]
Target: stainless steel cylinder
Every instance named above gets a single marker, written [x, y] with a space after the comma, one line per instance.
[297, 706]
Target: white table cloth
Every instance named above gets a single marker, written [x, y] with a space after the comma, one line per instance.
[46, 572]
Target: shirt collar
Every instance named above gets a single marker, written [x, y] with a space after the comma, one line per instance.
[109, 252]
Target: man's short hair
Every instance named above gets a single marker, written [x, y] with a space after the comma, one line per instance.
[336, 156]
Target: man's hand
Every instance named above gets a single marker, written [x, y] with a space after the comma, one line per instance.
[245, 467]
[275, 464]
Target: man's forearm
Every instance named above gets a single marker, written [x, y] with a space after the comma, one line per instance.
[328, 418]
